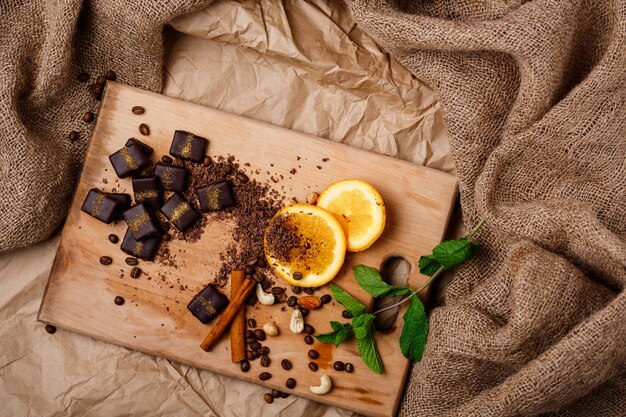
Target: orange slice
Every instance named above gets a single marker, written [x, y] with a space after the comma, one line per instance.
[307, 242]
[360, 210]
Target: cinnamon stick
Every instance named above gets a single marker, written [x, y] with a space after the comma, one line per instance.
[238, 326]
[236, 301]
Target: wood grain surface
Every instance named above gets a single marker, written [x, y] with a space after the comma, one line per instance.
[154, 319]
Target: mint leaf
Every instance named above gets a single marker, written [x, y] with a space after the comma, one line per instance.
[362, 325]
[341, 331]
[368, 351]
[451, 253]
[370, 280]
[414, 331]
[354, 306]
[395, 291]
[428, 265]
[339, 326]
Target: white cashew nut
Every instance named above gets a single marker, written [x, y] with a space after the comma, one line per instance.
[270, 329]
[264, 298]
[325, 385]
[297, 322]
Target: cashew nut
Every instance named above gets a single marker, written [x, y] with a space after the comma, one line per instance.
[264, 298]
[270, 329]
[325, 385]
[297, 322]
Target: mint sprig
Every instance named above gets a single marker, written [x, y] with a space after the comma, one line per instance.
[446, 255]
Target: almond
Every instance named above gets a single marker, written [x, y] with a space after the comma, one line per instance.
[310, 302]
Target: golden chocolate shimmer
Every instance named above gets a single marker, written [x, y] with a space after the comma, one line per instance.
[179, 211]
[207, 305]
[138, 222]
[144, 195]
[213, 197]
[166, 177]
[130, 161]
[95, 210]
[185, 150]
[138, 248]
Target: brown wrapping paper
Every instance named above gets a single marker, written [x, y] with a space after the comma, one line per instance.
[301, 65]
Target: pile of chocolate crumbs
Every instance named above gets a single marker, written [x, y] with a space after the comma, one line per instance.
[282, 237]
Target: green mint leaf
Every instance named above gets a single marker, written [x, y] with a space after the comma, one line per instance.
[370, 280]
[428, 265]
[395, 291]
[369, 353]
[340, 333]
[362, 325]
[339, 326]
[451, 253]
[414, 331]
[354, 306]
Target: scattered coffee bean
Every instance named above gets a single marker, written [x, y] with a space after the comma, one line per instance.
[339, 366]
[101, 80]
[313, 366]
[265, 284]
[113, 238]
[305, 312]
[83, 77]
[207, 161]
[297, 276]
[138, 110]
[346, 314]
[251, 300]
[255, 354]
[313, 354]
[50, 328]
[249, 269]
[260, 335]
[135, 272]
[251, 324]
[262, 263]
[243, 178]
[292, 301]
[166, 159]
[255, 345]
[349, 367]
[250, 339]
[244, 365]
[144, 129]
[249, 356]
[264, 376]
[259, 277]
[275, 393]
[106, 260]
[286, 364]
[95, 89]
[284, 394]
[73, 136]
[88, 117]
[119, 300]
[268, 397]
[131, 261]
[264, 351]
[277, 290]
[308, 290]
[111, 75]
[252, 261]
[291, 383]
[308, 329]
[326, 298]
[296, 290]
[250, 333]
[308, 339]
[265, 361]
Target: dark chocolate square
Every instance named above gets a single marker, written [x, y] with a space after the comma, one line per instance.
[146, 190]
[186, 145]
[171, 178]
[180, 213]
[207, 304]
[216, 196]
[148, 150]
[101, 205]
[146, 249]
[124, 200]
[129, 159]
[140, 222]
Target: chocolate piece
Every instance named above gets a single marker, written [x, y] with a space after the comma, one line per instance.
[148, 150]
[101, 205]
[146, 249]
[129, 159]
[207, 304]
[125, 202]
[146, 190]
[180, 213]
[216, 196]
[186, 145]
[140, 222]
[172, 178]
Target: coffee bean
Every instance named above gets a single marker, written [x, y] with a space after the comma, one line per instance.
[308, 290]
[255, 345]
[291, 383]
[131, 261]
[252, 261]
[265, 284]
[251, 324]
[113, 238]
[255, 354]
[101, 80]
[106, 260]
[88, 117]
[207, 161]
[244, 365]
[292, 301]
[286, 364]
[339, 366]
[326, 298]
[264, 351]
[251, 300]
[50, 328]
[264, 376]
[308, 329]
[346, 314]
[349, 367]
[135, 272]
[313, 354]
[250, 339]
[166, 237]
[258, 277]
[138, 110]
[267, 396]
[308, 339]
[243, 178]
[249, 356]
[275, 393]
[260, 335]
[262, 263]
[250, 333]
[296, 290]
[313, 366]
[277, 290]
[144, 129]
[95, 89]
[305, 312]
[265, 361]
[284, 395]
[297, 276]
[83, 77]
[249, 270]
[111, 75]
[166, 159]
[119, 300]
[73, 136]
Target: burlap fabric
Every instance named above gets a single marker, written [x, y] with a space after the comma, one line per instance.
[534, 97]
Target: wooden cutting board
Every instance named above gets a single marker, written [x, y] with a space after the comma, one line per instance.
[154, 319]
